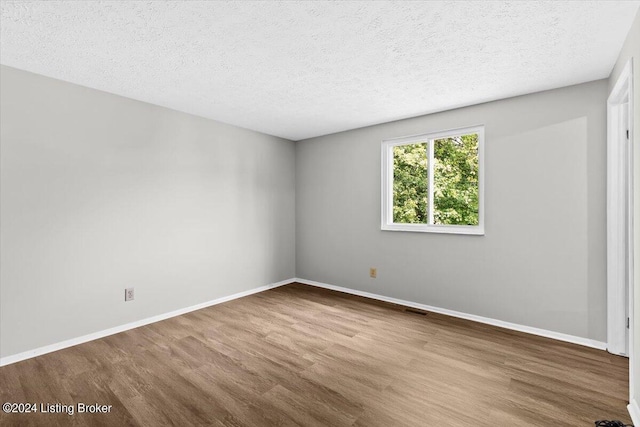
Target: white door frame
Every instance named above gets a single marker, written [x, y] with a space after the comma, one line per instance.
[620, 217]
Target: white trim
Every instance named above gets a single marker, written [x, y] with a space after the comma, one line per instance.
[619, 220]
[387, 145]
[117, 329]
[430, 182]
[101, 334]
[436, 228]
[480, 319]
[631, 245]
[623, 88]
[634, 412]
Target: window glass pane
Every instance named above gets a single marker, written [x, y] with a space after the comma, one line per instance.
[455, 177]
[410, 183]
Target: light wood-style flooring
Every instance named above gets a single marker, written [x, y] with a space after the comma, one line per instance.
[299, 355]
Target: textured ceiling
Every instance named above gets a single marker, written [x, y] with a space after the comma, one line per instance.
[300, 69]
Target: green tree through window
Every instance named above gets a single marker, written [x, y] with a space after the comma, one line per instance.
[455, 181]
[410, 183]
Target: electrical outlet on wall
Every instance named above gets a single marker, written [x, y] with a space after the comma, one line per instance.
[128, 294]
[373, 272]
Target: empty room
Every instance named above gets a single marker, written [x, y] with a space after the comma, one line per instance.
[319, 213]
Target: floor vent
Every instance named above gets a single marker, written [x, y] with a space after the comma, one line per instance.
[414, 311]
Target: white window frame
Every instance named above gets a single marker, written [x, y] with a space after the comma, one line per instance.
[387, 183]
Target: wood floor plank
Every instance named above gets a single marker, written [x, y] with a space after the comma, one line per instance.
[303, 356]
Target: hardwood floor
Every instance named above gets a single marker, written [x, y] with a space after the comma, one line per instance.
[298, 355]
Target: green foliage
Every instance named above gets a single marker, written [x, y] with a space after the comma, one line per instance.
[455, 179]
[410, 183]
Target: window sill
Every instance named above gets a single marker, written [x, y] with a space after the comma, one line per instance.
[473, 230]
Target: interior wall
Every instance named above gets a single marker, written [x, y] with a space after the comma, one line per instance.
[100, 193]
[542, 261]
[631, 50]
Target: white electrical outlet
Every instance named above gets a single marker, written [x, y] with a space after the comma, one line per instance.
[128, 294]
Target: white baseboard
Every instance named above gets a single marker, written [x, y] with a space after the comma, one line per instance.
[507, 325]
[634, 412]
[100, 334]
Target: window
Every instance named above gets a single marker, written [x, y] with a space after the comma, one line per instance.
[434, 182]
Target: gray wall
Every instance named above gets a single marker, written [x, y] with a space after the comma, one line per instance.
[631, 49]
[542, 260]
[100, 192]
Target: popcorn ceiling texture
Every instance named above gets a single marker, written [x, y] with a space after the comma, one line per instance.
[303, 69]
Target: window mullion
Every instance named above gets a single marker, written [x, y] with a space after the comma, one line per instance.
[430, 182]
